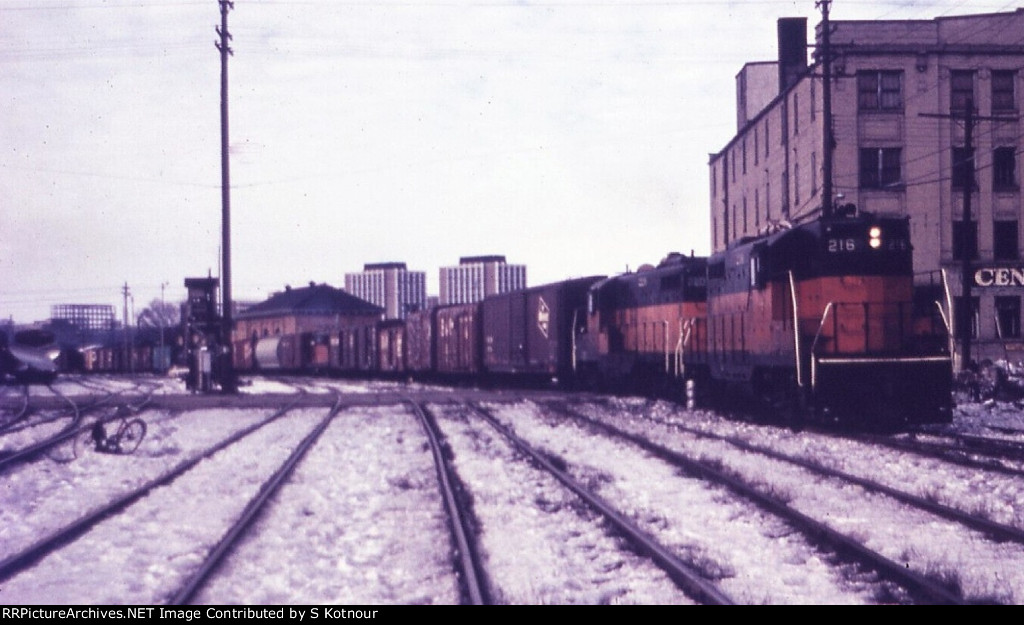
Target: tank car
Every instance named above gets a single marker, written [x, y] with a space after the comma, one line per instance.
[818, 319]
[647, 330]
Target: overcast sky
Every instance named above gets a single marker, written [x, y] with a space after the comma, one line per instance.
[572, 137]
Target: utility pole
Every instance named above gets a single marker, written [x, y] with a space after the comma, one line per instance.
[160, 317]
[227, 369]
[825, 58]
[966, 252]
[127, 347]
[967, 169]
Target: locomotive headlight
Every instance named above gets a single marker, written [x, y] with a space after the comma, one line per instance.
[875, 237]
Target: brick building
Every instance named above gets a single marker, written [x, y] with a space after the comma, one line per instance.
[900, 93]
[316, 308]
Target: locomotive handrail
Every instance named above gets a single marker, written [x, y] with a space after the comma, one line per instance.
[668, 362]
[684, 339]
[817, 335]
[796, 331]
[942, 315]
[814, 345]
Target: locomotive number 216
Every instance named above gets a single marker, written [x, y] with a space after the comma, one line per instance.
[842, 245]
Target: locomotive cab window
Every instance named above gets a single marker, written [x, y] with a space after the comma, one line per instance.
[756, 272]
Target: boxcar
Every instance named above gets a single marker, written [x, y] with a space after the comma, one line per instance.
[531, 333]
[391, 346]
[457, 350]
[419, 342]
[357, 349]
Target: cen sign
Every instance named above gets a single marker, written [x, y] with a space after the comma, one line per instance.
[999, 276]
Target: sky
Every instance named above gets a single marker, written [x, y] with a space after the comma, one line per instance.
[572, 137]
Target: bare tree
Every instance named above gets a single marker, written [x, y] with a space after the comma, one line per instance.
[159, 315]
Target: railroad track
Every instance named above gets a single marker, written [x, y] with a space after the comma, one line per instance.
[364, 504]
[470, 570]
[998, 531]
[994, 546]
[690, 580]
[847, 547]
[15, 569]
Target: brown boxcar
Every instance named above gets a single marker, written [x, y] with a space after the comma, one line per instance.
[419, 342]
[357, 349]
[531, 333]
[458, 340]
[391, 346]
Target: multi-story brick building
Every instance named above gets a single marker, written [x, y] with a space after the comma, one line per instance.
[476, 277]
[391, 286]
[900, 94]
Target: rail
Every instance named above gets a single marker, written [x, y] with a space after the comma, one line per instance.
[469, 561]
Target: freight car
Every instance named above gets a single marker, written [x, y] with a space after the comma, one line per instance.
[530, 335]
[819, 319]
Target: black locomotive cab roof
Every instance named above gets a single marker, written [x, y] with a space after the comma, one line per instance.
[862, 244]
[677, 278]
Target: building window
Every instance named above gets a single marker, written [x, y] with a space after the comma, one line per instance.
[880, 91]
[757, 144]
[796, 113]
[880, 168]
[959, 233]
[966, 319]
[1003, 100]
[1004, 169]
[963, 168]
[812, 100]
[1008, 317]
[814, 174]
[1004, 240]
[796, 182]
[961, 91]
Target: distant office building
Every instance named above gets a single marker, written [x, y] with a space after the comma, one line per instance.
[476, 277]
[391, 286]
[85, 316]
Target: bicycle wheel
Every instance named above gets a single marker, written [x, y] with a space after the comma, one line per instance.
[130, 435]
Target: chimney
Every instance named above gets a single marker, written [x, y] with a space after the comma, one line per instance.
[792, 32]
